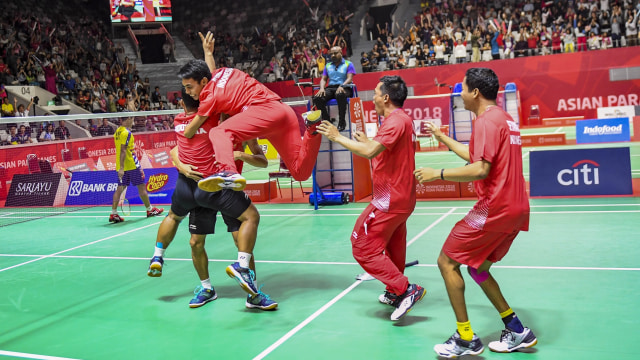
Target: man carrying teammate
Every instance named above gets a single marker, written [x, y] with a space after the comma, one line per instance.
[379, 238]
[194, 159]
[486, 233]
[255, 112]
[129, 171]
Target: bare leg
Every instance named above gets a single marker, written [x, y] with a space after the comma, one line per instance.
[492, 289]
[248, 232]
[199, 256]
[142, 190]
[168, 228]
[450, 271]
[116, 197]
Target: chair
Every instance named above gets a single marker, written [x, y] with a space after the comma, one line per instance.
[82, 153]
[534, 115]
[32, 161]
[283, 172]
[66, 155]
[45, 166]
[301, 84]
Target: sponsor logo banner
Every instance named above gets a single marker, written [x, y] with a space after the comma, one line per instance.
[580, 172]
[92, 188]
[33, 190]
[612, 112]
[160, 185]
[602, 130]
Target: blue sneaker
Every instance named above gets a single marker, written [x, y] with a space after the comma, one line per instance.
[244, 276]
[223, 180]
[261, 301]
[155, 266]
[202, 297]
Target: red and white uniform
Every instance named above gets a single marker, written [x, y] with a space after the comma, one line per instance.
[256, 112]
[198, 151]
[379, 238]
[502, 210]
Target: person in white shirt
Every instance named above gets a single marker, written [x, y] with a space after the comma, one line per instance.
[48, 134]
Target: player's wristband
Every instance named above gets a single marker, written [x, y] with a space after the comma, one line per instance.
[442, 174]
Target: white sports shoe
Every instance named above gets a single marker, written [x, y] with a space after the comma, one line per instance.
[512, 341]
[455, 347]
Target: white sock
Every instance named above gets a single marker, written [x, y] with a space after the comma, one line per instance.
[243, 259]
[158, 251]
[149, 208]
[114, 211]
[206, 284]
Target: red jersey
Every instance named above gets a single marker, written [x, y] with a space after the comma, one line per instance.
[231, 91]
[503, 205]
[394, 185]
[198, 151]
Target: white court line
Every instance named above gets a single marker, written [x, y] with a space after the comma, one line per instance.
[293, 331]
[78, 247]
[413, 214]
[558, 130]
[32, 356]
[7, 214]
[323, 263]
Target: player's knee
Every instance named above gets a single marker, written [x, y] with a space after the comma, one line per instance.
[174, 217]
[251, 214]
[478, 277]
[197, 241]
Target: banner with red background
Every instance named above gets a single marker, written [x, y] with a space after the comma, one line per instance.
[572, 84]
[14, 158]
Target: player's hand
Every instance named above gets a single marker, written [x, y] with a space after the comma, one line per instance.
[237, 155]
[319, 93]
[430, 128]
[120, 174]
[142, 173]
[426, 174]
[189, 171]
[359, 136]
[329, 130]
[340, 90]
[208, 42]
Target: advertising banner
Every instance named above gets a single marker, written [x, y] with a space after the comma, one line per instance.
[604, 171]
[37, 190]
[160, 186]
[611, 112]
[97, 187]
[602, 130]
[92, 188]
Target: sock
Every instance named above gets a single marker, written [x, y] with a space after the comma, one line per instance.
[114, 211]
[243, 259]
[465, 331]
[150, 207]
[206, 284]
[511, 321]
[159, 250]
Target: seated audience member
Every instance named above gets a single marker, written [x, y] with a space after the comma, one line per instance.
[7, 108]
[105, 128]
[23, 136]
[62, 132]
[48, 134]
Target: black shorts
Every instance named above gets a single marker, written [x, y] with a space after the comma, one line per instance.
[202, 212]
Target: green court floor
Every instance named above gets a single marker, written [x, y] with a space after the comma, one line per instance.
[75, 287]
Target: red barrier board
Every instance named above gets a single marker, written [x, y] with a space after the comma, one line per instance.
[258, 190]
[438, 189]
[467, 190]
[543, 139]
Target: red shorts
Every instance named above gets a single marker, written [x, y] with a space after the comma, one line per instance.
[472, 247]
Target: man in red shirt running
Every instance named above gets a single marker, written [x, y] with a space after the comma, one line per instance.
[255, 112]
[379, 238]
[485, 234]
[194, 159]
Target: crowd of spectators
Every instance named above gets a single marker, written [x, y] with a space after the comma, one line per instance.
[457, 31]
[72, 57]
[275, 51]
